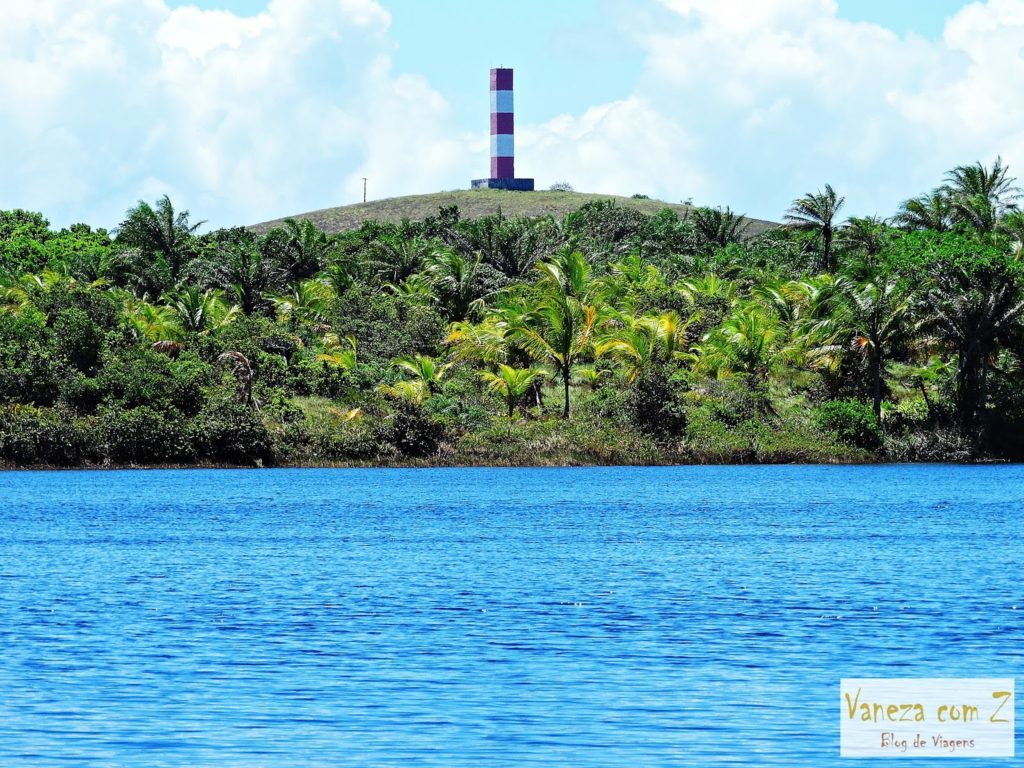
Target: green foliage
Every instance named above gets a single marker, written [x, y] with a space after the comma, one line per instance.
[473, 338]
[79, 339]
[32, 436]
[142, 435]
[226, 431]
[655, 404]
[852, 422]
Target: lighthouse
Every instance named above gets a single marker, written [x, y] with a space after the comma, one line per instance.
[503, 151]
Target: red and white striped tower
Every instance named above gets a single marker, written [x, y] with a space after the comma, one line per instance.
[503, 171]
[503, 154]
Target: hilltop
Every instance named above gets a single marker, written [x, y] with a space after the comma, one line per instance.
[475, 204]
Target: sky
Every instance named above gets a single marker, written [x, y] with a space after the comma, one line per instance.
[246, 110]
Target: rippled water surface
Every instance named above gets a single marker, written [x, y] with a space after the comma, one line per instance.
[477, 617]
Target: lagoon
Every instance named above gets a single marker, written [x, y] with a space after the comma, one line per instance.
[469, 617]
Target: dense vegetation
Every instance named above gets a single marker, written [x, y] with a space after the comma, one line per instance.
[606, 336]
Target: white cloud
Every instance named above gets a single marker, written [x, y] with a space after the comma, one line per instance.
[241, 118]
[616, 148]
[752, 104]
[244, 118]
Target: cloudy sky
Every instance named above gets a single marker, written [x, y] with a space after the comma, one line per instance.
[244, 110]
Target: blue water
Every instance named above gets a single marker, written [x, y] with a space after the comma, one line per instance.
[490, 617]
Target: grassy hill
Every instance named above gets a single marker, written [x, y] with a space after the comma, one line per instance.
[474, 204]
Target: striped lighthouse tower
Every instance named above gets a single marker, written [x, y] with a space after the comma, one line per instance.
[503, 172]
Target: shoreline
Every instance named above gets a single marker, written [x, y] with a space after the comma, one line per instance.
[427, 464]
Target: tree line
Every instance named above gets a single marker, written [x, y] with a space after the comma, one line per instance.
[606, 335]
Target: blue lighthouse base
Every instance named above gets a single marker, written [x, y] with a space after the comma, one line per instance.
[517, 185]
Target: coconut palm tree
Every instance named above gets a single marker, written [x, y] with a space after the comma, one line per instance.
[749, 343]
[484, 343]
[153, 322]
[307, 248]
[304, 303]
[337, 353]
[647, 340]
[878, 312]
[425, 375]
[559, 330]
[160, 230]
[453, 278]
[981, 196]
[718, 227]
[200, 312]
[628, 281]
[817, 212]
[932, 211]
[415, 289]
[710, 286]
[512, 384]
[559, 327]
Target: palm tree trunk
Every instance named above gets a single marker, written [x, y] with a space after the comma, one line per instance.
[924, 394]
[877, 375]
[565, 386]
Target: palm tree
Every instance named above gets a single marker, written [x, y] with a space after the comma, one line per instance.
[160, 231]
[970, 309]
[153, 322]
[337, 354]
[483, 343]
[647, 340]
[454, 280]
[1012, 225]
[877, 311]
[866, 234]
[567, 273]
[415, 289]
[719, 227]
[200, 312]
[305, 303]
[932, 211]
[242, 370]
[559, 326]
[396, 256]
[629, 281]
[511, 383]
[307, 247]
[747, 344]
[934, 373]
[16, 293]
[817, 212]
[511, 246]
[981, 196]
[709, 286]
[560, 330]
[425, 374]
[248, 273]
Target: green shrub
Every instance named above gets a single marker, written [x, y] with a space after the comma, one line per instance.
[142, 436]
[46, 436]
[79, 339]
[412, 430]
[228, 432]
[654, 404]
[851, 421]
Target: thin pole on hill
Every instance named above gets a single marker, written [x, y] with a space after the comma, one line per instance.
[364, 189]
